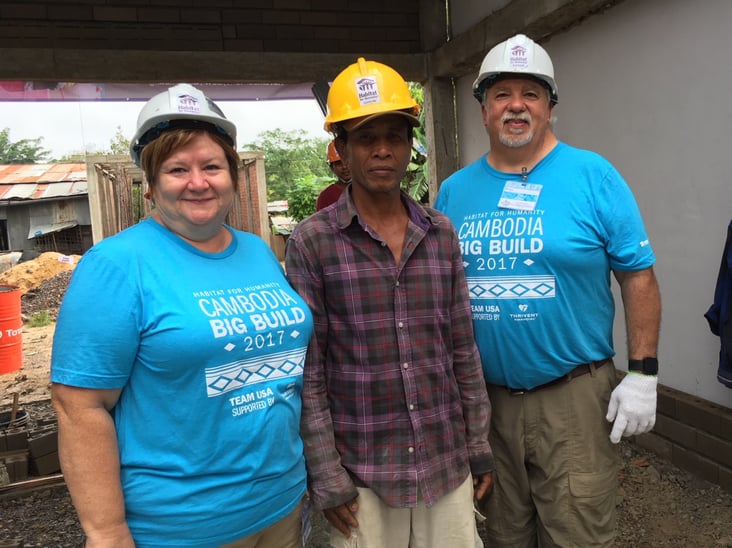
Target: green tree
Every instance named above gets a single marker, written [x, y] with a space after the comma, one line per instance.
[416, 182]
[25, 151]
[119, 143]
[71, 158]
[289, 156]
[303, 194]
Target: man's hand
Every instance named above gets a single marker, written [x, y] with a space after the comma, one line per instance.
[482, 486]
[633, 406]
[343, 517]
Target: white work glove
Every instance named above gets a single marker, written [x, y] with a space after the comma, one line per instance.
[633, 406]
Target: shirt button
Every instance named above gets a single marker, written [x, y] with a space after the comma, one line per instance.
[405, 365]
[411, 407]
[397, 283]
[401, 324]
[411, 449]
[383, 244]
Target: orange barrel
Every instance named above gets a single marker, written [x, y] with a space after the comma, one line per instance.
[11, 330]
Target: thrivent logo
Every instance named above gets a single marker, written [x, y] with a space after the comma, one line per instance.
[523, 314]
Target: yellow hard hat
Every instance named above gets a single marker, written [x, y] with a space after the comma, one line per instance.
[367, 89]
[331, 153]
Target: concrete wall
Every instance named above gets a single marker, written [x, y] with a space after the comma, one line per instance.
[664, 125]
[644, 85]
[466, 13]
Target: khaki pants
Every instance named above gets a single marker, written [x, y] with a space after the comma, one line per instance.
[450, 523]
[286, 533]
[556, 470]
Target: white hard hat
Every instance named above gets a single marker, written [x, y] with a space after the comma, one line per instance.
[184, 104]
[518, 55]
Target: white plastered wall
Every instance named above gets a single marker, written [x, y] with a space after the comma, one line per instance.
[648, 85]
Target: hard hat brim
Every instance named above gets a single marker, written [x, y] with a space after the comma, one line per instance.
[181, 122]
[355, 123]
[485, 81]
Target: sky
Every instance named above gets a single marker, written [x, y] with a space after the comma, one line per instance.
[70, 127]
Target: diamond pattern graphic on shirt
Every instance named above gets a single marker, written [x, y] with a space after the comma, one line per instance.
[231, 376]
[514, 287]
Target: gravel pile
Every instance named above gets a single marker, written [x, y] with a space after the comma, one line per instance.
[43, 518]
[47, 296]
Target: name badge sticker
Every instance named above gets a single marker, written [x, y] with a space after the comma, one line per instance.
[519, 195]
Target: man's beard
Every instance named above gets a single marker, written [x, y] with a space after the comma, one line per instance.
[516, 141]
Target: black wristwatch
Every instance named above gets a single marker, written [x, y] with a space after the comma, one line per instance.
[647, 366]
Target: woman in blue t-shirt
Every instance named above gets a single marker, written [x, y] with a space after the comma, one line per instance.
[177, 358]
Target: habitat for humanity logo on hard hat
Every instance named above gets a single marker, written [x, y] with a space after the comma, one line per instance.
[368, 91]
[519, 57]
[188, 103]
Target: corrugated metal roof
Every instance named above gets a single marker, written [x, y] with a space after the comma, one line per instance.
[48, 228]
[42, 181]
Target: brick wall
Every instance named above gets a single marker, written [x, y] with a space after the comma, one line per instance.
[694, 434]
[313, 26]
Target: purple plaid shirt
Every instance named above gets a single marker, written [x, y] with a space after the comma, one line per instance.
[394, 397]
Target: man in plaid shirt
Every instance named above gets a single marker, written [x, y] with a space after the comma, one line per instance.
[395, 411]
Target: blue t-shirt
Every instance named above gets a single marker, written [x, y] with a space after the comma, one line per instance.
[538, 255]
[208, 349]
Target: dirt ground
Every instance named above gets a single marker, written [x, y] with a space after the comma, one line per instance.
[659, 505]
[31, 382]
[42, 282]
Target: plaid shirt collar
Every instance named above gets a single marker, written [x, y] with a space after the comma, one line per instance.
[346, 211]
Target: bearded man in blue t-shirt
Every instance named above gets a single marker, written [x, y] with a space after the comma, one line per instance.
[542, 225]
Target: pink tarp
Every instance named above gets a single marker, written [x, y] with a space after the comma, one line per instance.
[69, 91]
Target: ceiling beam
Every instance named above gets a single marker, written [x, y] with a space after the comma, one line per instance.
[538, 19]
[90, 65]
